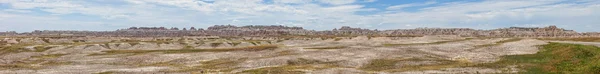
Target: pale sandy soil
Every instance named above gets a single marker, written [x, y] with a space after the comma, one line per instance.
[431, 54]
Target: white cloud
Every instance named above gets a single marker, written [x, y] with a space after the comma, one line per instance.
[337, 2]
[311, 14]
[370, 0]
[344, 8]
[17, 10]
[292, 1]
[500, 14]
[40, 3]
[399, 7]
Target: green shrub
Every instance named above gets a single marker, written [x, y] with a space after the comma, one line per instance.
[554, 58]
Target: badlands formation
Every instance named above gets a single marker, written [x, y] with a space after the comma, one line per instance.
[275, 50]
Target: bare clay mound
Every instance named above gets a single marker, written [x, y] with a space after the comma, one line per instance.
[346, 55]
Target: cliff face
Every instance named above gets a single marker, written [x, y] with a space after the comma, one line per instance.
[277, 30]
[8, 33]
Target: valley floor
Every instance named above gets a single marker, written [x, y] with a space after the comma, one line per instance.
[345, 55]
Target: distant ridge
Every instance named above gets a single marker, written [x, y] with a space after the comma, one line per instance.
[279, 30]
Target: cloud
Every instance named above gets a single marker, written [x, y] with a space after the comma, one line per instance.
[501, 14]
[20, 4]
[292, 1]
[581, 15]
[17, 10]
[337, 2]
[399, 7]
[370, 0]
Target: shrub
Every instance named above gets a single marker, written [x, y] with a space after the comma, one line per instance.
[46, 40]
[215, 44]
[337, 39]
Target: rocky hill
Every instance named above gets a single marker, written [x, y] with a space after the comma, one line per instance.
[278, 30]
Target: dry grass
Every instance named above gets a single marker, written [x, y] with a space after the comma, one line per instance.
[439, 42]
[499, 43]
[48, 56]
[215, 44]
[394, 36]
[33, 64]
[55, 63]
[133, 43]
[17, 66]
[106, 72]
[234, 43]
[392, 65]
[46, 40]
[276, 70]
[250, 48]
[42, 48]
[337, 39]
[584, 39]
[213, 66]
[297, 66]
[13, 49]
[324, 48]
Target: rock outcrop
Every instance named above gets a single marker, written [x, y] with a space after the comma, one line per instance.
[278, 30]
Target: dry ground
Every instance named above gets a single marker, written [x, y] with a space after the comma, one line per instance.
[346, 55]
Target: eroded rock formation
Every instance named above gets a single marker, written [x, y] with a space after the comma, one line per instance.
[278, 30]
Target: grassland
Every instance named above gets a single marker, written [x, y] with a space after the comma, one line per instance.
[297, 66]
[499, 43]
[439, 42]
[392, 65]
[555, 58]
[583, 39]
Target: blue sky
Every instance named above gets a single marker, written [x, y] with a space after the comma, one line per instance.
[101, 15]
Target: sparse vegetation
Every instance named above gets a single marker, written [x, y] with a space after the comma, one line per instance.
[381, 64]
[106, 45]
[42, 48]
[280, 70]
[235, 43]
[253, 43]
[499, 42]
[214, 45]
[13, 49]
[439, 42]
[86, 46]
[294, 67]
[48, 56]
[128, 40]
[106, 72]
[553, 58]
[217, 65]
[199, 43]
[584, 39]
[393, 65]
[134, 43]
[337, 39]
[46, 40]
[78, 41]
[323, 48]
[188, 47]
[250, 48]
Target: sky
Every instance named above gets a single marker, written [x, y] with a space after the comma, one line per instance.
[108, 15]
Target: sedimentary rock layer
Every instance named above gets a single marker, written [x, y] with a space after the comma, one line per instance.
[277, 30]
